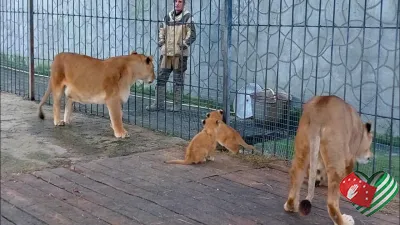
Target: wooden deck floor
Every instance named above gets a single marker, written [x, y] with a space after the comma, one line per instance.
[141, 189]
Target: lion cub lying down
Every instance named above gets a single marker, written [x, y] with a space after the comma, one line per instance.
[90, 80]
[203, 144]
[227, 136]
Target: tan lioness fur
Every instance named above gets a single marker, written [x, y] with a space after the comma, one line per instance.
[331, 127]
[203, 144]
[227, 136]
[89, 80]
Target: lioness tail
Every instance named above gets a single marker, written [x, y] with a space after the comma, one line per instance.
[45, 97]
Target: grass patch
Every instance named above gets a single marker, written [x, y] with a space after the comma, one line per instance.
[22, 63]
[186, 98]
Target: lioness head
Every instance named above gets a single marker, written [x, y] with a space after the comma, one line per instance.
[364, 153]
[217, 114]
[142, 67]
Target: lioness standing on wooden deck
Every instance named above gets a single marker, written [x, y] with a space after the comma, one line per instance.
[333, 128]
[89, 80]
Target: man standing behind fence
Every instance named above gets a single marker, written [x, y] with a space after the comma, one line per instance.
[176, 34]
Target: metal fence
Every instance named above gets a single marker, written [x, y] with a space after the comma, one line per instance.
[244, 50]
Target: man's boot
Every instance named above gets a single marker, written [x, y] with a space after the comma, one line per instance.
[177, 106]
[159, 103]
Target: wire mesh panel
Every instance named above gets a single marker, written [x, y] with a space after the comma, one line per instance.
[257, 60]
[298, 49]
[14, 46]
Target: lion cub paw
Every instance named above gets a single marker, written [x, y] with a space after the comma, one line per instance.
[123, 134]
[347, 220]
[211, 158]
[59, 123]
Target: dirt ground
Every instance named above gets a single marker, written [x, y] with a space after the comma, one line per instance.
[29, 143]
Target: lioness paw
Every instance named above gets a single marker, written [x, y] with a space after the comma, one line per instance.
[347, 220]
[59, 123]
[123, 134]
[290, 208]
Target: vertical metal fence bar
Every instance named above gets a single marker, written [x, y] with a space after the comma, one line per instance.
[91, 42]
[304, 52]
[377, 84]
[394, 85]
[190, 80]
[256, 64]
[135, 47]
[15, 47]
[347, 49]
[247, 25]
[198, 82]
[130, 50]
[227, 63]
[97, 42]
[150, 25]
[317, 58]
[266, 69]
[31, 54]
[333, 38]
[142, 88]
[104, 48]
[19, 13]
[277, 79]
[237, 25]
[288, 116]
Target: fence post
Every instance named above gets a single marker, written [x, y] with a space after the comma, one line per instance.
[226, 54]
[31, 93]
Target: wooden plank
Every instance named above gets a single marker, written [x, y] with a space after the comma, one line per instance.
[26, 204]
[48, 201]
[181, 188]
[136, 204]
[76, 199]
[168, 199]
[273, 205]
[98, 193]
[256, 177]
[238, 192]
[18, 216]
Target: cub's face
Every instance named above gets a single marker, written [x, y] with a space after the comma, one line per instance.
[322, 178]
[211, 124]
[364, 153]
[217, 114]
[143, 67]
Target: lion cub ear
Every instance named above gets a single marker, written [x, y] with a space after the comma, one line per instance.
[149, 59]
[368, 127]
[221, 111]
[203, 121]
[208, 115]
[133, 53]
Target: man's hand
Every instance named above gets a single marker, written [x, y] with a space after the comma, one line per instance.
[183, 46]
